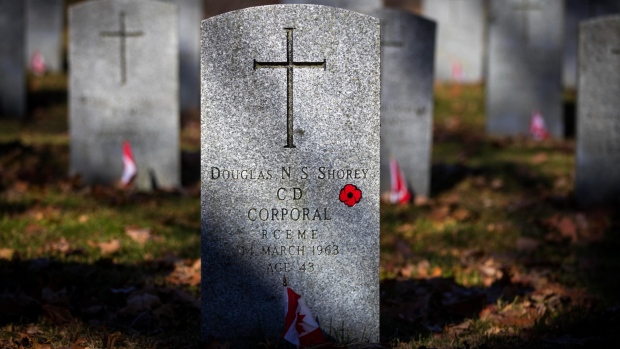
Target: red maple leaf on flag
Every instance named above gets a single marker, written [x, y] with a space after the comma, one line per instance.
[300, 324]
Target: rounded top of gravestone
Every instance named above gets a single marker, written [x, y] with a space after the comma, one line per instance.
[292, 8]
[600, 20]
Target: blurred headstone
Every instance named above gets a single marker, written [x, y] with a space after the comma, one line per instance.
[407, 51]
[124, 86]
[190, 15]
[45, 29]
[12, 61]
[460, 38]
[525, 66]
[290, 170]
[598, 113]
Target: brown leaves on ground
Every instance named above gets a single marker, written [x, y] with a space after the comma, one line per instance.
[107, 248]
[138, 234]
[578, 228]
[6, 253]
[186, 272]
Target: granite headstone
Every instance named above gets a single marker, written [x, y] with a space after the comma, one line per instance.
[12, 51]
[459, 54]
[190, 15]
[46, 19]
[598, 113]
[361, 6]
[290, 170]
[407, 51]
[124, 86]
[524, 66]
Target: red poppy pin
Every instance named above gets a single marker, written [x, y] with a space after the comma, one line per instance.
[350, 195]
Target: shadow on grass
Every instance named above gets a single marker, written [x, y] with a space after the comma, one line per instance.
[100, 295]
[417, 308]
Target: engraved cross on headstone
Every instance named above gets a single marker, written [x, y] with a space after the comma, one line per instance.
[384, 41]
[123, 35]
[289, 65]
[526, 6]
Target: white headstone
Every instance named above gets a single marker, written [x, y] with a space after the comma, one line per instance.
[598, 113]
[46, 19]
[459, 55]
[290, 170]
[525, 66]
[124, 87]
[407, 52]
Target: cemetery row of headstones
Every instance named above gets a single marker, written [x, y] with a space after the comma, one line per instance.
[31, 33]
[293, 155]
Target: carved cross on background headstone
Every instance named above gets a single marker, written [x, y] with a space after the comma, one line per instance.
[123, 35]
[289, 65]
[526, 6]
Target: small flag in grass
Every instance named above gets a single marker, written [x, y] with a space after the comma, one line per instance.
[130, 170]
[37, 63]
[300, 327]
[538, 130]
[400, 193]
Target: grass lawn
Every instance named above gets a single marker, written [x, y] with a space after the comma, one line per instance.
[500, 256]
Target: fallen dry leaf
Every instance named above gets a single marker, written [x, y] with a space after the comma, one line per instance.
[186, 272]
[563, 225]
[461, 214]
[540, 158]
[61, 246]
[137, 234]
[110, 247]
[6, 253]
[407, 270]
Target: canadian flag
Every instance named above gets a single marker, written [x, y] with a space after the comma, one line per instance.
[300, 327]
[538, 130]
[130, 170]
[37, 63]
[399, 194]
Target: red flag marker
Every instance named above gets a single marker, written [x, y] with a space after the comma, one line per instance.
[538, 130]
[37, 63]
[400, 193]
[300, 327]
[130, 170]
